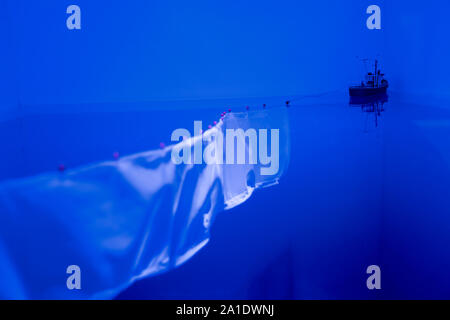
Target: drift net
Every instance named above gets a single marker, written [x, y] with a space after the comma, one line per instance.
[140, 215]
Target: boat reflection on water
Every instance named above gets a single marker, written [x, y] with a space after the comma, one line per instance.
[370, 105]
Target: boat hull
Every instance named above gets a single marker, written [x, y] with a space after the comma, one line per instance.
[359, 91]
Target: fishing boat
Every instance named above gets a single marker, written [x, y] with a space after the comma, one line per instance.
[374, 84]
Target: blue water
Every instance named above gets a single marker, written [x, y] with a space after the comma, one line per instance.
[362, 188]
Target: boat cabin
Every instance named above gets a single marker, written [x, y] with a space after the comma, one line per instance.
[372, 80]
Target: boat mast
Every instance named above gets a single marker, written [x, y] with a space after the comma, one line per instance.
[376, 74]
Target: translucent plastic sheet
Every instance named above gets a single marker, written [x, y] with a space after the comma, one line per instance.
[126, 219]
[237, 190]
